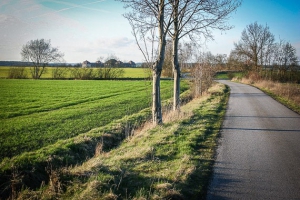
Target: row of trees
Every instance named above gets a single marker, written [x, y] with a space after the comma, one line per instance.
[63, 72]
[176, 19]
[258, 50]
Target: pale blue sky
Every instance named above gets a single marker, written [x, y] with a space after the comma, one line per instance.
[88, 29]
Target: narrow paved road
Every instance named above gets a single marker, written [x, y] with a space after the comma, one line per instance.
[259, 151]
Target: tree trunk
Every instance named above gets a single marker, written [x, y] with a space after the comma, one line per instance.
[176, 67]
[36, 72]
[176, 72]
[156, 72]
[156, 100]
[157, 68]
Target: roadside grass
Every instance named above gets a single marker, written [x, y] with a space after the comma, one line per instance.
[36, 113]
[128, 72]
[286, 93]
[171, 161]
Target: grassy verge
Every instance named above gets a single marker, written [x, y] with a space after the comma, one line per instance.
[172, 161]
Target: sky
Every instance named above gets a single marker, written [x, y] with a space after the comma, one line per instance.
[89, 29]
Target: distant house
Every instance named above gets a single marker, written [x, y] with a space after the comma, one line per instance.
[131, 64]
[86, 64]
[97, 64]
[119, 63]
[108, 63]
[111, 63]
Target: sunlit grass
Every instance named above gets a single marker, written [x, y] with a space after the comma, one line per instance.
[35, 113]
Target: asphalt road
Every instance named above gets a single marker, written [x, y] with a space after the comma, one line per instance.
[259, 151]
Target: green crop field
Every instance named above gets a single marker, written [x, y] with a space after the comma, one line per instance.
[36, 113]
[128, 72]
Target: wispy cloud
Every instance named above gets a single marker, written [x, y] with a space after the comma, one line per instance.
[118, 42]
[71, 6]
[95, 34]
[124, 48]
[3, 18]
[109, 43]
[4, 3]
[82, 5]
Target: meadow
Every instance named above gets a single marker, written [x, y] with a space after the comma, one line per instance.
[36, 113]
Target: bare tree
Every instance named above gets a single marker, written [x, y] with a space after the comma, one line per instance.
[186, 18]
[221, 61]
[203, 72]
[145, 16]
[285, 59]
[146, 41]
[186, 54]
[196, 18]
[237, 61]
[254, 43]
[40, 53]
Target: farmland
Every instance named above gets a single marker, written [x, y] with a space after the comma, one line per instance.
[171, 161]
[36, 113]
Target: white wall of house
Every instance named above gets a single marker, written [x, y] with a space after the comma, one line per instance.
[86, 64]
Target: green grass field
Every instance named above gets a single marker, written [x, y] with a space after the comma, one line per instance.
[170, 161]
[129, 73]
[36, 113]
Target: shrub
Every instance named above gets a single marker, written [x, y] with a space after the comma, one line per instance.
[109, 73]
[59, 72]
[82, 73]
[17, 73]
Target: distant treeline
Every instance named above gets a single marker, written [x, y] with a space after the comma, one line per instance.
[29, 64]
[15, 63]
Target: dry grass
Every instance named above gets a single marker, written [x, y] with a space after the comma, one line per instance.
[170, 115]
[286, 93]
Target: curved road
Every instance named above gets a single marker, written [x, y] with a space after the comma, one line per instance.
[259, 152]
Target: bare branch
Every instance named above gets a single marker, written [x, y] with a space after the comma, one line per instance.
[40, 53]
